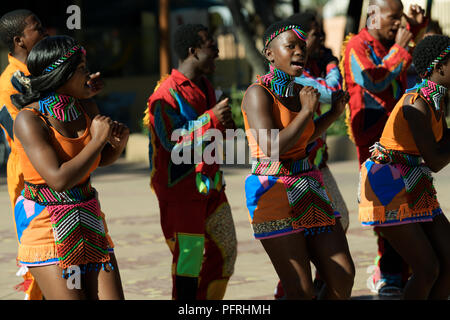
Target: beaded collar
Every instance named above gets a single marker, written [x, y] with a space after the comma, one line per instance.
[431, 91]
[60, 107]
[279, 82]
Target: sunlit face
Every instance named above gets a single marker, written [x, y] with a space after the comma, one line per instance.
[77, 86]
[287, 52]
[32, 33]
[389, 20]
[207, 53]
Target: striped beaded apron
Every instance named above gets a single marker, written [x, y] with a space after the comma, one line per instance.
[420, 191]
[311, 207]
[76, 221]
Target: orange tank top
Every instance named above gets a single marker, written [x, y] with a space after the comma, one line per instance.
[282, 117]
[66, 148]
[397, 135]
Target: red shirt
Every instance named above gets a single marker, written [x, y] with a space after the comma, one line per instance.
[375, 77]
[179, 103]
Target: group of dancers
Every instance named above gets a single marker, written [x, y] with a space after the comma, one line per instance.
[58, 138]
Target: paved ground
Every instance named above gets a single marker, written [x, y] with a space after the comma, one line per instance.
[144, 259]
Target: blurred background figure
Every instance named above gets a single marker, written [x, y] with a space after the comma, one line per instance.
[432, 28]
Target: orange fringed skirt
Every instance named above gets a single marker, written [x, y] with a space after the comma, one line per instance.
[396, 193]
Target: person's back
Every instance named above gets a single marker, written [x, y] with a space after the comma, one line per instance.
[397, 135]
[6, 86]
[20, 30]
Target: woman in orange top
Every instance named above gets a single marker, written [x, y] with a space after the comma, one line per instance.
[289, 209]
[60, 141]
[396, 186]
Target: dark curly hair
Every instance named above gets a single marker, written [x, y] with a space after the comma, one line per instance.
[43, 54]
[12, 25]
[427, 51]
[186, 36]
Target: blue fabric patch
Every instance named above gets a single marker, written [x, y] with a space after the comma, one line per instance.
[6, 121]
[22, 221]
[377, 60]
[186, 110]
[364, 80]
[39, 262]
[254, 190]
[160, 128]
[383, 183]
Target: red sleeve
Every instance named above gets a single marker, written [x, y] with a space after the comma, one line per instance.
[369, 74]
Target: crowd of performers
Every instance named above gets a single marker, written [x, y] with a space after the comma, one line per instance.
[58, 137]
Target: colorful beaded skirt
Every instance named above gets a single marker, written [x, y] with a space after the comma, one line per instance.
[76, 220]
[395, 188]
[286, 197]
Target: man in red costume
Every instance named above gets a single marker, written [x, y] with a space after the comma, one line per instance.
[195, 215]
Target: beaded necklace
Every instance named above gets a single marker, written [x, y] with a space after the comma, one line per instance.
[431, 91]
[279, 82]
[60, 107]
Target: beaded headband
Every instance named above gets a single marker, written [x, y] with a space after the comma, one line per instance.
[435, 61]
[299, 32]
[64, 58]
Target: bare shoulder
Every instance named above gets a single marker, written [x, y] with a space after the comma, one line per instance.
[26, 116]
[29, 124]
[418, 105]
[421, 104]
[256, 98]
